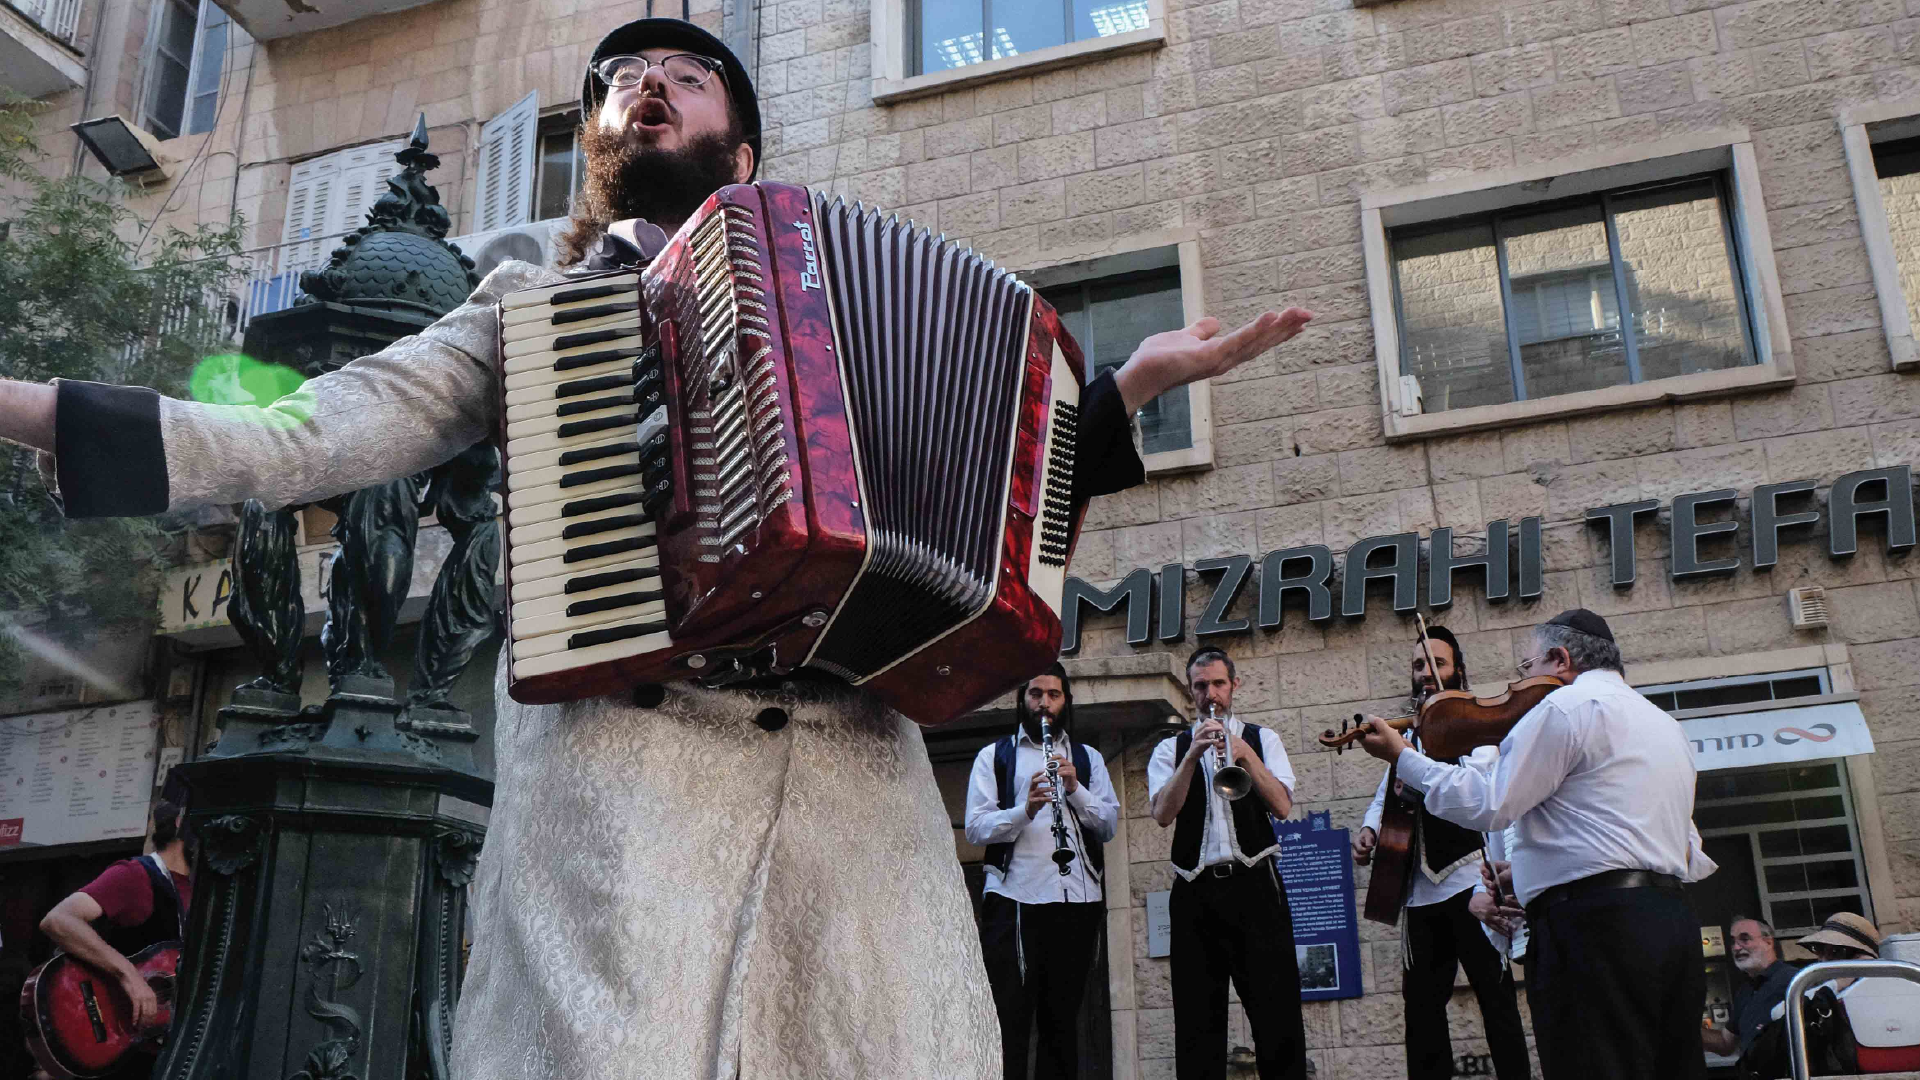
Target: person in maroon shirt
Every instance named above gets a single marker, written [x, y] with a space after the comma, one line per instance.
[129, 907]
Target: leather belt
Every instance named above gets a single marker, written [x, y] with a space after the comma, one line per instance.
[1230, 869]
[1601, 882]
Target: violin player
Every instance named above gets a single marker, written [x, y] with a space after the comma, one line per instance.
[1439, 929]
[1599, 783]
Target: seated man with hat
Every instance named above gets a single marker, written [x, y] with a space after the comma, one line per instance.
[1599, 784]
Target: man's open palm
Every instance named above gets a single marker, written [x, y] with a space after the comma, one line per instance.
[1201, 351]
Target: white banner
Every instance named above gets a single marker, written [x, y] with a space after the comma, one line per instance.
[71, 777]
[1776, 736]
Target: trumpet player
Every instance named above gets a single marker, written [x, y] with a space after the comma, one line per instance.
[1043, 908]
[1220, 784]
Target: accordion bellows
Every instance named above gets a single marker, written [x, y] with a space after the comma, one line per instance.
[806, 436]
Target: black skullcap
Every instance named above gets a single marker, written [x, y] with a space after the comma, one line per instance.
[1584, 621]
[675, 34]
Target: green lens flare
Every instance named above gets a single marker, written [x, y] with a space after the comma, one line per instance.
[235, 379]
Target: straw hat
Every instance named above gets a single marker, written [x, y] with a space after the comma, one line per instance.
[1848, 931]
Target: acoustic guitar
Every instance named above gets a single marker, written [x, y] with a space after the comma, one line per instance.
[79, 1021]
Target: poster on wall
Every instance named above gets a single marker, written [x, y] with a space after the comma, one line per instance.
[1317, 867]
[77, 776]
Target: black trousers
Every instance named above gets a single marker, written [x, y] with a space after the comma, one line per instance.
[1236, 927]
[1038, 959]
[1616, 986]
[1441, 938]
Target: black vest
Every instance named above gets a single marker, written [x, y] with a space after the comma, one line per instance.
[1000, 856]
[163, 925]
[1251, 826]
[1443, 845]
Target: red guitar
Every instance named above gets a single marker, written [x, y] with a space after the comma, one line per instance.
[79, 1021]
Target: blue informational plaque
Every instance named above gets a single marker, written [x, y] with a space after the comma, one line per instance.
[1317, 865]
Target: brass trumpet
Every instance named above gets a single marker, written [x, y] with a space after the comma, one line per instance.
[1230, 781]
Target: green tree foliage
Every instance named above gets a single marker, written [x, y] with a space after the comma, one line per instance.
[88, 290]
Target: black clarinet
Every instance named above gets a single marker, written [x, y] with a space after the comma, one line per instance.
[1062, 849]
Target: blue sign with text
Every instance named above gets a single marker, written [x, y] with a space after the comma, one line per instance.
[1317, 867]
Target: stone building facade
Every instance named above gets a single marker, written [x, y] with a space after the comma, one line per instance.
[1524, 313]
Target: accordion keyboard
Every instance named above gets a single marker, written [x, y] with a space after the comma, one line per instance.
[587, 475]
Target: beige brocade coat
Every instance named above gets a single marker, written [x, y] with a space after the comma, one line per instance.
[670, 893]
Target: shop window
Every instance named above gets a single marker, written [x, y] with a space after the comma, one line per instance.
[1574, 286]
[1785, 835]
[1109, 305]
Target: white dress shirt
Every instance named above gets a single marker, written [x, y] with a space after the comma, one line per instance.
[1425, 890]
[1032, 876]
[1219, 844]
[1595, 778]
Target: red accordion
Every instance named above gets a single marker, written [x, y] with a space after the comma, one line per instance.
[806, 436]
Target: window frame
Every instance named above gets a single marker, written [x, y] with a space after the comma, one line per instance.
[1728, 152]
[894, 31]
[1178, 247]
[565, 121]
[151, 61]
[1862, 126]
[194, 71]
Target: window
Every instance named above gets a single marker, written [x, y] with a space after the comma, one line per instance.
[1883, 154]
[1108, 305]
[327, 197]
[1596, 282]
[503, 183]
[185, 61]
[955, 33]
[1527, 303]
[1784, 835]
[561, 167]
[931, 46]
[1791, 830]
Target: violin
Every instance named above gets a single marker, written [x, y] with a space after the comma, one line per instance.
[1451, 724]
[1454, 723]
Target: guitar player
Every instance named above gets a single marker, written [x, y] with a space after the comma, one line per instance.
[132, 904]
[1439, 931]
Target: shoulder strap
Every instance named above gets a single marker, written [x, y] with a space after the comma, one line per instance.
[1003, 770]
[162, 880]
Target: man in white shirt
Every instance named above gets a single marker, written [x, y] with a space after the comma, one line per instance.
[1228, 909]
[1600, 783]
[1041, 917]
[1439, 934]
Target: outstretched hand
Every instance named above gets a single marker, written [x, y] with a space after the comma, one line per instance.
[1201, 351]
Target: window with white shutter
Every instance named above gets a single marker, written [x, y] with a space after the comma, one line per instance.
[504, 181]
[328, 197]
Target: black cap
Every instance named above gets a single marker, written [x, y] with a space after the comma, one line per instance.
[1584, 621]
[675, 34]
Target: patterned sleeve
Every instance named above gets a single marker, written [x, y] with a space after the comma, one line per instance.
[124, 451]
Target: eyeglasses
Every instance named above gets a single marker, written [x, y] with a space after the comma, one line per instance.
[1526, 665]
[686, 69]
[1832, 952]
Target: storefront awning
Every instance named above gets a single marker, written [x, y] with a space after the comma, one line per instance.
[1778, 736]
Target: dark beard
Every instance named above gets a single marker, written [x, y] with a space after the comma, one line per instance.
[663, 186]
[1456, 682]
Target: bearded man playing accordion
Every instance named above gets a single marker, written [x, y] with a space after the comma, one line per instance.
[752, 881]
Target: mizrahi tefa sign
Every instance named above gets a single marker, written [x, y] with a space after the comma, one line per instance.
[1312, 579]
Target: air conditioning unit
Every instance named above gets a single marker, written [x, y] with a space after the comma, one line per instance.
[532, 242]
[1807, 606]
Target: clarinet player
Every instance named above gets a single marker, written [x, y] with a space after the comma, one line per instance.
[1041, 916]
